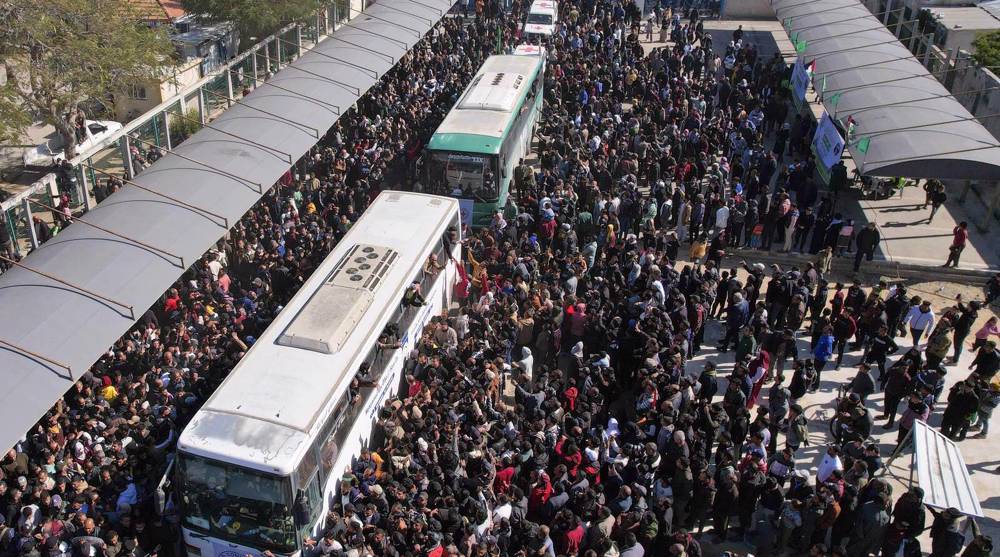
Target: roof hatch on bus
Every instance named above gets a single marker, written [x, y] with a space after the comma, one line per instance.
[325, 321]
[494, 91]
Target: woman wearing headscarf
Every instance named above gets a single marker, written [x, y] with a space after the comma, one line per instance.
[757, 370]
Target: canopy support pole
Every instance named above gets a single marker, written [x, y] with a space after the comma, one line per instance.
[304, 96]
[315, 132]
[260, 188]
[428, 6]
[225, 221]
[36, 355]
[416, 33]
[113, 233]
[348, 87]
[69, 284]
[370, 72]
[364, 48]
[230, 134]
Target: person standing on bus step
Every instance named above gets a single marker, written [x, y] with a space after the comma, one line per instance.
[412, 297]
[960, 237]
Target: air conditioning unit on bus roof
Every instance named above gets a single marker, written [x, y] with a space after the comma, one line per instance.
[331, 313]
[494, 91]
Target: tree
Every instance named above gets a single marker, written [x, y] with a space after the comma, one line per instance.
[987, 49]
[254, 18]
[59, 53]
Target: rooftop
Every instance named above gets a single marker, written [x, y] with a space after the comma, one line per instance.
[969, 17]
[160, 11]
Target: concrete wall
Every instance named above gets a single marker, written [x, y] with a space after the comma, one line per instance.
[968, 84]
[747, 9]
[181, 78]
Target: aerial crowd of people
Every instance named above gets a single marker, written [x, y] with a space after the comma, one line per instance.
[559, 413]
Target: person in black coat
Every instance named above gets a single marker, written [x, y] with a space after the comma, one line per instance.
[867, 240]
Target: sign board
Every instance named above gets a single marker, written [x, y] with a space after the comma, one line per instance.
[465, 209]
[800, 82]
[827, 143]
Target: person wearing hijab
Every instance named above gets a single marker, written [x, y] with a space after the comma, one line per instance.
[758, 370]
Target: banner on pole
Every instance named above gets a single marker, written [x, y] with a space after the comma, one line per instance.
[827, 145]
[800, 82]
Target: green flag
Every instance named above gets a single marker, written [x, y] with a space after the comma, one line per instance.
[834, 98]
[787, 22]
[822, 86]
[794, 37]
[864, 144]
[800, 47]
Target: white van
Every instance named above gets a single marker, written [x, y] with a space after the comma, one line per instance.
[542, 19]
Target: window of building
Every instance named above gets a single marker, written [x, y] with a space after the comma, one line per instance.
[137, 92]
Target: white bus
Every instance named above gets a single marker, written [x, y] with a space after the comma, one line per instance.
[259, 464]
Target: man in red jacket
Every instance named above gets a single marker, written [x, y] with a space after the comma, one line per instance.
[959, 239]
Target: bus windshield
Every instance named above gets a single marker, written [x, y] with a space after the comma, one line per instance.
[540, 19]
[237, 505]
[470, 176]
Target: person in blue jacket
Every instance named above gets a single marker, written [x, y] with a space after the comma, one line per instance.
[822, 354]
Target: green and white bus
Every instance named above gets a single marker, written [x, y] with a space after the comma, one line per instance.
[474, 151]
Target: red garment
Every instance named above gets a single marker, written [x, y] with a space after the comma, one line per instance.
[463, 284]
[961, 235]
[540, 493]
[504, 477]
[763, 360]
[572, 541]
[415, 388]
[570, 394]
[572, 461]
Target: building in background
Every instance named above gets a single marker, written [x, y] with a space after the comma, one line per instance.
[201, 49]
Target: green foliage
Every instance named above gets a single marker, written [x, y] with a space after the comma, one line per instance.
[987, 49]
[59, 53]
[183, 128]
[13, 120]
[254, 18]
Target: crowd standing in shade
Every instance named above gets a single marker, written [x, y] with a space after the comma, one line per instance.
[557, 413]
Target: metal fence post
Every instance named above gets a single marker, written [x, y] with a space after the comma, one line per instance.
[129, 169]
[166, 129]
[298, 40]
[85, 186]
[256, 76]
[202, 113]
[32, 233]
[229, 87]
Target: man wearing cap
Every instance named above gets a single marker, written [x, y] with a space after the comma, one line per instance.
[947, 538]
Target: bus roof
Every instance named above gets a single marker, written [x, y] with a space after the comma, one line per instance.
[483, 114]
[313, 347]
